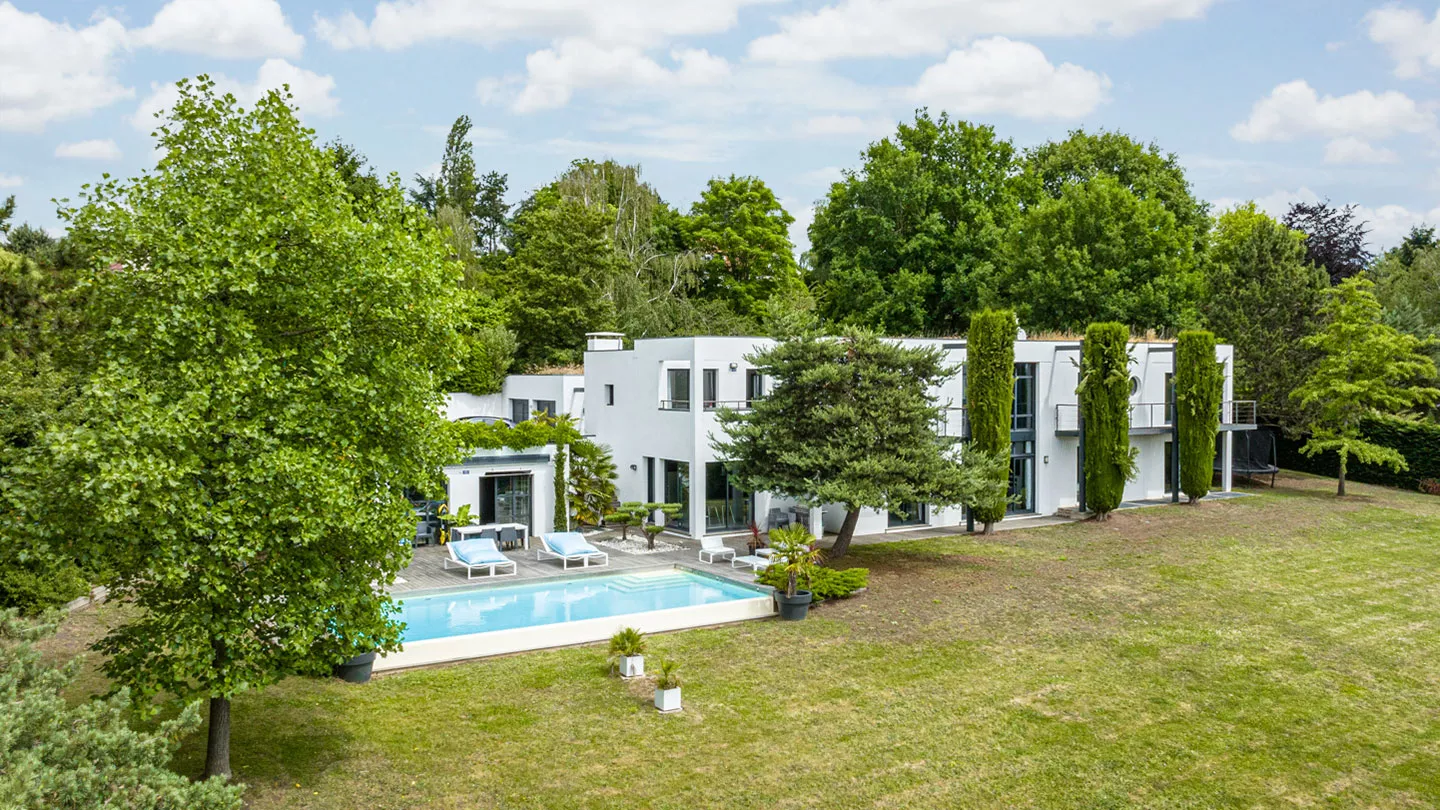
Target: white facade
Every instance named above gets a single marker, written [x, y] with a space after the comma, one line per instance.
[655, 407]
[561, 394]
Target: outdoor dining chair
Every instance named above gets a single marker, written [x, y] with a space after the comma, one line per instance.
[509, 537]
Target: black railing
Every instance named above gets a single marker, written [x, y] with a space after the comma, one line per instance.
[674, 404]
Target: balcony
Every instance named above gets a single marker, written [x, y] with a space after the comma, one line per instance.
[674, 404]
[1150, 418]
[729, 404]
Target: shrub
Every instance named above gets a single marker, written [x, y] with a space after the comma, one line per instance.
[38, 584]
[990, 386]
[1105, 408]
[1430, 486]
[1199, 386]
[824, 583]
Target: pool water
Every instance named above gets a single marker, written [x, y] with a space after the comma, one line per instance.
[506, 607]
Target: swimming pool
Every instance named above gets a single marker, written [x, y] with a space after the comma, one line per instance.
[496, 619]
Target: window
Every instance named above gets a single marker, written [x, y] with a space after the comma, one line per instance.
[1169, 399]
[505, 499]
[677, 389]
[1134, 386]
[1022, 411]
[545, 406]
[710, 385]
[1169, 467]
[1022, 478]
[754, 387]
[727, 506]
[649, 479]
[519, 410]
[609, 394]
[907, 514]
[677, 490]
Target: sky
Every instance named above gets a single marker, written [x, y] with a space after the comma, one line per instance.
[1266, 100]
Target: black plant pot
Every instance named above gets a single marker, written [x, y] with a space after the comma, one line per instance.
[357, 669]
[794, 608]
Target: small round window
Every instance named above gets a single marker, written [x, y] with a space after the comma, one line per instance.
[1134, 386]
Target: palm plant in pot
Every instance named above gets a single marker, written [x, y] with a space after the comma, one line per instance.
[627, 653]
[667, 687]
[796, 556]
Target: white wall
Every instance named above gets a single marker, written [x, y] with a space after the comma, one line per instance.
[463, 481]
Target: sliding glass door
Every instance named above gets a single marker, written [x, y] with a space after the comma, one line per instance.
[677, 490]
[727, 506]
[506, 499]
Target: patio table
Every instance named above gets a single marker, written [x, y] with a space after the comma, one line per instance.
[463, 532]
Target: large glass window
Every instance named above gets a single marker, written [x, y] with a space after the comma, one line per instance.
[1169, 398]
[1022, 478]
[678, 388]
[907, 514]
[710, 386]
[754, 387]
[649, 479]
[727, 506]
[677, 490]
[519, 410]
[505, 499]
[545, 406]
[1022, 410]
[1169, 467]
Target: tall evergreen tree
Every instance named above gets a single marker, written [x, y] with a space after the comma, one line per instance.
[1365, 368]
[833, 402]
[1199, 389]
[989, 399]
[1105, 408]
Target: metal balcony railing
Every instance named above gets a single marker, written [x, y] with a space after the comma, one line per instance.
[674, 404]
[1153, 416]
[953, 424]
[732, 404]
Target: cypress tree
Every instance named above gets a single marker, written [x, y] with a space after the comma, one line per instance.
[990, 369]
[1105, 406]
[1199, 386]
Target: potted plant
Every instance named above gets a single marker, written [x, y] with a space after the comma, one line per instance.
[667, 687]
[796, 557]
[357, 669]
[755, 542]
[452, 520]
[627, 652]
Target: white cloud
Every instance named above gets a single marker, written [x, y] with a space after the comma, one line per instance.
[999, 75]
[313, 94]
[823, 176]
[641, 23]
[1354, 150]
[698, 150]
[11, 180]
[229, 29]
[89, 150]
[1411, 41]
[900, 28]
[51, 71]
[820, 126]
[553, 74]
[1295, 110]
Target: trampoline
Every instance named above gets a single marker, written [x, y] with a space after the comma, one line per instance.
[1254, 454]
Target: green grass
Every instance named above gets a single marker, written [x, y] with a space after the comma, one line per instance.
[1275, 651]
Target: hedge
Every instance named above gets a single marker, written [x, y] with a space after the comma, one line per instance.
[1419, 442]
[1199, 388]
[989, 391]
[1105, 406]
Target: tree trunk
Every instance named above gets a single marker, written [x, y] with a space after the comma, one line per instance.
[847, 531]
[217, 746]
[1341, 491]
[989, 528]
[1193, 500]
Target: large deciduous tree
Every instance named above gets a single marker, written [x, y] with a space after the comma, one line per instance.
[851, 420]
[744, 234]
[1199, 389]
[267, 389]
[989, 401]
[1334, 238]
[909, 242]
[1263, 297]
[1142, 169]
[1365, 368]
[1105, 410]
[1098, 251]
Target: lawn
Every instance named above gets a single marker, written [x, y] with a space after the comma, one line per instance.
[1275, 651]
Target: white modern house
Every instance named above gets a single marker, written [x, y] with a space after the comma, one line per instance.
[655, 404]
[512, 486]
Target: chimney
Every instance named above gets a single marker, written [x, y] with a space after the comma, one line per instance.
[604, 341]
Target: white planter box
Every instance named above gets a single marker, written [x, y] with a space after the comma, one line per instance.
[632, 666]
[667, 700]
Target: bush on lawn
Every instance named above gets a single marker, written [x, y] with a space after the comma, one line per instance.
[824, 583]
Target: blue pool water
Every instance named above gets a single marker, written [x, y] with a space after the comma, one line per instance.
[506, 607]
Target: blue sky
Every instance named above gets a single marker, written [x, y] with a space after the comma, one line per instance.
[1269, 100]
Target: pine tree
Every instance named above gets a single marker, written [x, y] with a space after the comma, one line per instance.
[1365, 368]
